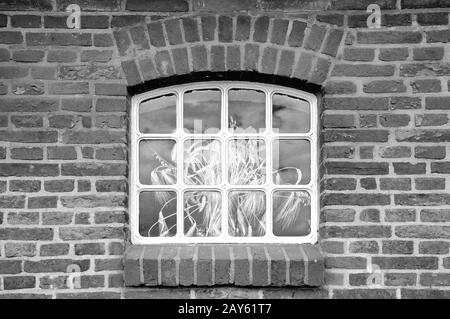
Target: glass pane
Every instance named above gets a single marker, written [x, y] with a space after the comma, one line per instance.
[202, 213]
[246, 213]
[202, 162]
[157, 213]
[291, 213]
[291, 162]
[247, 162]
[290, 114]
[157, 162]
[202, 111]
[158, 115]
[246, 111]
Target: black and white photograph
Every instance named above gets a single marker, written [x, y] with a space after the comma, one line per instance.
[231, 156]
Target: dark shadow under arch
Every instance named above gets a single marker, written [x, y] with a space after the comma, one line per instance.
[248, 76]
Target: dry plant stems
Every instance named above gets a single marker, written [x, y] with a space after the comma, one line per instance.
[202, 208]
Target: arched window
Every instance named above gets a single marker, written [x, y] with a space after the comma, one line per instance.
[224, 162]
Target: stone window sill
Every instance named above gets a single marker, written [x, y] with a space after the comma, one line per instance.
[224, 264]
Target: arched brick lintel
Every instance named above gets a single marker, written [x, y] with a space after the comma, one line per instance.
[298, 48]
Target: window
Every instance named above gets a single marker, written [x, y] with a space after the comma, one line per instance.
[224, 162]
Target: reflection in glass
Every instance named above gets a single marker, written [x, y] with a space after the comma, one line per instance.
[157, 162]
[246, 213]
[291, 213]
[202, 213]
[158, 115]
[290, 114]
[202, 111]
[291, 162]
[158, 213]
[202, 162]
[246, 111]
[247, 162]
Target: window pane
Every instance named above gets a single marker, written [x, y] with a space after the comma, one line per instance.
[202, 213]
[202, 111]
[290, 114]
[246, 111]
[291, 213]
[158, 213]
[247, 162]
[246, 213]
[157, 162]
[291, 162]
[158, 115]
[202, 162]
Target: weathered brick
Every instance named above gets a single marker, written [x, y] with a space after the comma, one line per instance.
[432, 18]
[54, 265]
[422, 135]
[393, 54]
[19, 170]
[395, 184]
[297, 34]
[354, 168]
[400, 279]
[359, 54]
[435, 215]
[13, 72]
[425, 85]
[430, 183]
[57, 218]
[89, 249]
[69, 88]
[425, 69]
[43, 202]
[26, 186]
[20, 250]
[279, 31]
[92, 201]
[356, 136]
[357, 231]
[423, 231]
[157, 6]
[26, 234]
[406, 262]
[209, 25]
[93, 137]
[440, 167]
[365, 247]
[18, 282]
[23, 218]
[430, 53]
[398, 247]
[386, 37]
[434, 247]
[28, 55]
[340, 184]
[370, 215]
[55, 186]
[61, 56]
[11, 37]
[346, 262]
[60, 39]
[430, 152]
[27, 153]
[362, 70]
[383, 86]
[55, 249]
[315, 38]
[400, 215]
[338, 215]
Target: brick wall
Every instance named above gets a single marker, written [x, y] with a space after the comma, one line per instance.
[386, 134]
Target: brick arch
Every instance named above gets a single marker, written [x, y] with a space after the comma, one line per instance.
[299, 47]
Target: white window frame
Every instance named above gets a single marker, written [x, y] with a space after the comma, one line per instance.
[136, 187]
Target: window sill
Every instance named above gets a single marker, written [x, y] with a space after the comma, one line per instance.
[224, 264]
